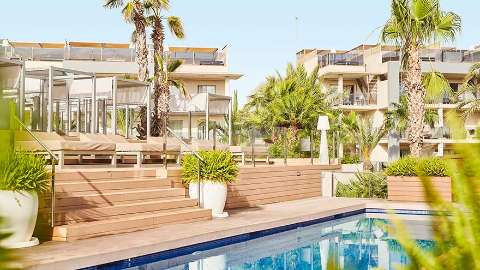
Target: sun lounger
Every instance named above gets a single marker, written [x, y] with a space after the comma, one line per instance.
[124, 147]
[62, 147]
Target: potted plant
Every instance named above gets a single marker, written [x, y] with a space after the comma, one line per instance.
[216, 171]
[22, 176]
[405, 182]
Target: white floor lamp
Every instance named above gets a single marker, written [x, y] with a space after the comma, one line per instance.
[323, 125]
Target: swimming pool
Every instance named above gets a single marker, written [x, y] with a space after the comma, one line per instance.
[355, 242]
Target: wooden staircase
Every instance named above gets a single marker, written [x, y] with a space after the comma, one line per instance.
[92, 203]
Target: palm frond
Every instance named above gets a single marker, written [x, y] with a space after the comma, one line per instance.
[176, 26]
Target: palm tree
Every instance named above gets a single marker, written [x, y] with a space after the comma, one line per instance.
[366, 135]
[161, 88]
[398, 117]
[166, 67]
[470, 91]
[414, 24]
[293, 101]
[133, 12]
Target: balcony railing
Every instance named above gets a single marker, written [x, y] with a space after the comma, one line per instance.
[437, 55]
[71, 53]
[343, 59]
[199, 58]
[360, 100]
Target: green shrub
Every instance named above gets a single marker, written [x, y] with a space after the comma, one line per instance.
[433, 166]
[351, 159]
[218, 166]
[23, 171]
[410, 166]
[365, 185]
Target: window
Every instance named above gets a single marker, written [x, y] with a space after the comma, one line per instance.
[176, 126]
[211, 89]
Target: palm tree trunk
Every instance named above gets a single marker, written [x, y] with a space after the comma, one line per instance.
[159, 117]
[141, 42]
[416, 97]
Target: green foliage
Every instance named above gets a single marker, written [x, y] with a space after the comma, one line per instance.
[23, 171]
[7, 256]
[293, 101]
[456, 228]
[365, 185]
[218, 166]
[351, 159]
[411, 166]
[365, 134]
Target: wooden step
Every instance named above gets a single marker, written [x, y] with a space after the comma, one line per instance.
[96, 198]
[105, 173]
[93, 213]
[110, 185]
[128, 224]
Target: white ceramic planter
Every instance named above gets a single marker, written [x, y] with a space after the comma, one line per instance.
[19, 211]
[212, 196]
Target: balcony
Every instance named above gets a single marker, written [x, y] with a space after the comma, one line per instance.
[341, 59]
[360, 100]
[438, 55]
[216, 58]
[72, 53]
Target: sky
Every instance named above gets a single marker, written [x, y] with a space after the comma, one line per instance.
[263, 35]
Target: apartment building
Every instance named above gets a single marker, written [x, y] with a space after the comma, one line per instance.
[204, 72]
[368, 77]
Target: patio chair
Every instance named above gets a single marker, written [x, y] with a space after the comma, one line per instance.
[62, 147]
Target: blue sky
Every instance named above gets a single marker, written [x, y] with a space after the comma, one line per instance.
[263, 35]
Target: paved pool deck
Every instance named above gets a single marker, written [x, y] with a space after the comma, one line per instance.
[100, 250]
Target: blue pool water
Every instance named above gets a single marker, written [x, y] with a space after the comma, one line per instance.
[356, 242]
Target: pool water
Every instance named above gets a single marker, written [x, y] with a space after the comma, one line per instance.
[356, 242]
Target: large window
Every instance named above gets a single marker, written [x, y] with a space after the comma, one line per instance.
[211, 89]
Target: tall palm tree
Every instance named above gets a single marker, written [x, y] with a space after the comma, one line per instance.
[366, 135]
[166, 67]
[161, 88]
[414, 24]
[134, 12]
[471, 92]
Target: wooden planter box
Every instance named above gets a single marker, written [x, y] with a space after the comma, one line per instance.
[410, 188]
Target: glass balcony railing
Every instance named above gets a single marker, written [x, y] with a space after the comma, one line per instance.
[360, 100]
[343, 59]
[199, 58]
[73, 53]
[437, 55]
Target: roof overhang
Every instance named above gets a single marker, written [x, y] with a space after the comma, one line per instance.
[208, 76]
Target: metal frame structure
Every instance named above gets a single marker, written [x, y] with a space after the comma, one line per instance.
[51, 75]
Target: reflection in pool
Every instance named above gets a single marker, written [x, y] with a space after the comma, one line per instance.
[357, 242]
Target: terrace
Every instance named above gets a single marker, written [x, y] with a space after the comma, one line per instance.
[438, 55]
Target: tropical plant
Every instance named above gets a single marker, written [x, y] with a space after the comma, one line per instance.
[23, 171]
[415, 24]
[398, 115]
[350, 159]
[456, 226]
[134, 12]
[365, 185]
[166, 67]
[217, 166]
[161, 93]
[412, 166]
[293, 101]
[365, 134]
[470, 91]
[7, 256]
